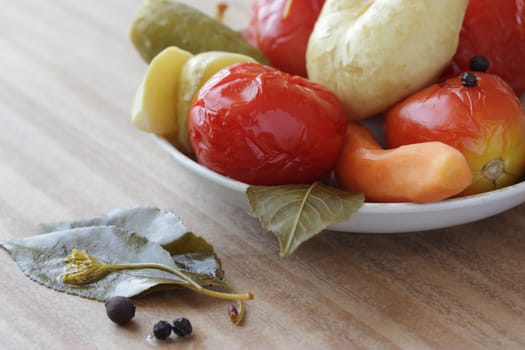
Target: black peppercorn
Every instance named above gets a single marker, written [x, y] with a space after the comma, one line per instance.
[182, 327]
[162, 330]
[120, 309]
[469, 79]
[479, 63]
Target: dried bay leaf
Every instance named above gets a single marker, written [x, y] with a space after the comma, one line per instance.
[159, 226]
[296, 213]
[103, 256]
[41, 258]
[188, 250]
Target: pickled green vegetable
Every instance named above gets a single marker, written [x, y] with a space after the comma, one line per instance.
[163, 23]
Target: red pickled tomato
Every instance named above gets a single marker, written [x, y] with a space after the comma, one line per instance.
[281, 29]
[485, 122]
[494, 29]
[261, 126]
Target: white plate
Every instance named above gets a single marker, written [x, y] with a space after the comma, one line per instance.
[375, 217]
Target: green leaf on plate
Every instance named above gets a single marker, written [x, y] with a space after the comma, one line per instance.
[296, 213]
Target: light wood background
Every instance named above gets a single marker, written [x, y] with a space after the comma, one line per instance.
[68, 73]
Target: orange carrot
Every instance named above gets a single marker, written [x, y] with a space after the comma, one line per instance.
[422, 172]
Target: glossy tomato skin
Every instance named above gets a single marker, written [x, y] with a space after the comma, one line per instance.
[495, 29]
[281, 29]
[258, 125]
[485, 122]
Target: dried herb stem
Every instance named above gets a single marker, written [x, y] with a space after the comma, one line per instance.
[191, 284]
[120, 267]
[83, 268]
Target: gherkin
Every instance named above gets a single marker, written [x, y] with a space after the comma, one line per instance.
[163, 23]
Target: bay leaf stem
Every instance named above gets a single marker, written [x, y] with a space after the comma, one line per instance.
[119, 267]
[191, 283]
[83, 268]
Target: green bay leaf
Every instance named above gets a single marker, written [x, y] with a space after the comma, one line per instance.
[296, 213]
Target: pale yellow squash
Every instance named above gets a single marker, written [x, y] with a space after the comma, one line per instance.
[173, 77]
[372, 53]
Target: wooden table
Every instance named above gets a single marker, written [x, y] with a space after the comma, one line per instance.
[68, 73]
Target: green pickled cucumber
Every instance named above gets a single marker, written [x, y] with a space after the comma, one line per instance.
[163, 23]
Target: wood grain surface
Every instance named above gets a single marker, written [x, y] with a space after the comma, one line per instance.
[68, 73]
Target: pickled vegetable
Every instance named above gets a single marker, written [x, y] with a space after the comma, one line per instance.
[173, 77]
[262, 126]
[154, 105]
[476, 113]
[195, 72]
[421, 172]
[372, 54]
[163, 23]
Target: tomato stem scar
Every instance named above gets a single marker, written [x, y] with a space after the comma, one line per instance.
[494, 169]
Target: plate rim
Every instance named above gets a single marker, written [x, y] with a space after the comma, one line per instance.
[367, 208]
